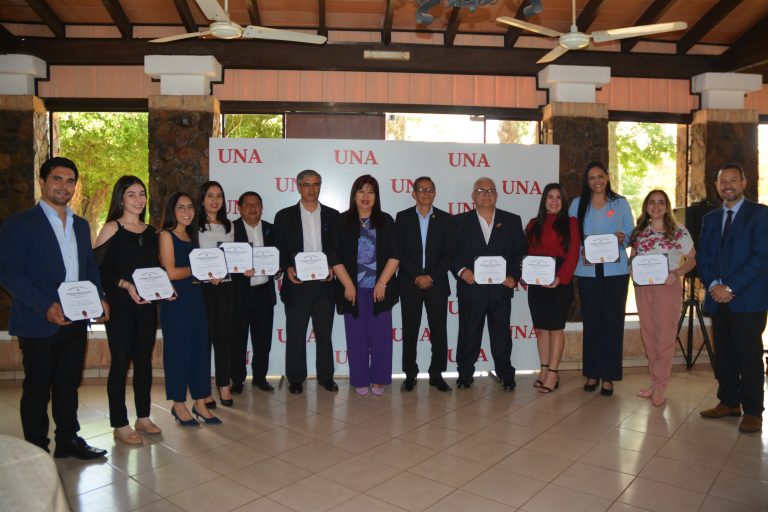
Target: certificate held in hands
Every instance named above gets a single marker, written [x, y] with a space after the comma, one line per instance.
[152, 283]
[490, 270]
[239, 256]
[311, 266]
[266, 261]
[207, 264]
[80, 300]
[650, 269]
[601, 248]
[538, 270]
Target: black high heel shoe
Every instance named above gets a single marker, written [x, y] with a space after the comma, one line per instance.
[184, 423]
[225, 402]
[546, 389]
[213, 420]
[606, 391]
[537, 383]
[591, 387]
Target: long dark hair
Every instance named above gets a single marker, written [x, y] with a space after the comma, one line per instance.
[169, 213]
[116, 209]
[586, 193]
[562, 223]
[201, 218]
[645, 220]
[352, 216]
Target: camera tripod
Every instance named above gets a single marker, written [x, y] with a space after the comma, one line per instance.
[691, 307]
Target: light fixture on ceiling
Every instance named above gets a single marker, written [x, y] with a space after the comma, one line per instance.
[386, 55]
[533, 8]
[424, 18]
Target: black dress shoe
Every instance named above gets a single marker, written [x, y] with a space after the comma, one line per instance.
[78, 449]
[463, 383]
[237, 388]
[263, 385]
[508, 385]
[591, 387]
[606, 391]
[407, 385]
[440, 384]
[295, 389]
[330, 386]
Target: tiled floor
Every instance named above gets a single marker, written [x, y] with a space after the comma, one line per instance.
[469, 450]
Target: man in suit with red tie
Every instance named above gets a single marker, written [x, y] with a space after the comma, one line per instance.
[733, 266]
[490, 232]
[426, 252]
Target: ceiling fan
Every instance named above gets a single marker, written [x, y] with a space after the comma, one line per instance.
[224, 28]
[575, 40]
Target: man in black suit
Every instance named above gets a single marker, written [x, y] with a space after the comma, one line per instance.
[41, 248]
[254, 299]
[426, 252]
[307, 227]
[486, 231]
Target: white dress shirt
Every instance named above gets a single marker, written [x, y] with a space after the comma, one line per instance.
[311, 228]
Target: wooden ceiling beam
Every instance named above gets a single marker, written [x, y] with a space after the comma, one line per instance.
[513, 33]
[453, 27]
[748, 52]
[118, 15]
[386, 31]
[49, 17]
[322, 28]
[461, 60]
[706, 23]
[253, 11]
[652, 14]
[182, 7]
[588, 14]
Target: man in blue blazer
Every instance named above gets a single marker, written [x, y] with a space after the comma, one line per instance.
[733, 267]
[41, 248]
[486, 231]
[255, 299]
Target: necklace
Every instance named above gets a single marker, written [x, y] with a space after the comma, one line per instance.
[364, 223]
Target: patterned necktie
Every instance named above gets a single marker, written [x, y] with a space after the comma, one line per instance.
[727, 226]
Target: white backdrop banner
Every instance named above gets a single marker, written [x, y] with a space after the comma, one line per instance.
[270, 166]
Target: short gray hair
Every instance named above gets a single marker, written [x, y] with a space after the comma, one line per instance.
[308, 173]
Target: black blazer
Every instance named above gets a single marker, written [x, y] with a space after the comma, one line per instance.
[438, 255]
[507, 240]
[346, 253]
[242, 283]
[289, 240]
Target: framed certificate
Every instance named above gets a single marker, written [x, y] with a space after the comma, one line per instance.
[601, 248]
[152, 283]
[490, 270]
[208, 264]
[266, 261]
[650, 269]
[538, 270]
[239, 256]
[311, 266]
[80, 300]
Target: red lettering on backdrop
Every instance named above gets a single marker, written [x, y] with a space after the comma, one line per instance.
[311, 338]
[286, 184]
[468, 160]
[355, 157]
[239, 156]
[522, 331]
[280, 336]
[459, 207]
[482, 356]
[339, 358]
[426, 335]
[395, 338]
[402, 185]
[453, 307]
[232, 208]
[451, 356]
[520, 187]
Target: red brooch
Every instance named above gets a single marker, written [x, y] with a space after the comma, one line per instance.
[610, 212]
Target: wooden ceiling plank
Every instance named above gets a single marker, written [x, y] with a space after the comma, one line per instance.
[322, 29]
[588, 15]
[253, 11]
[453, 27]
[49, 17]
[748, 52]
[706, 23]
[182, 7]
[513, 33]
[652, 14]
[389, 15]
[118, 15]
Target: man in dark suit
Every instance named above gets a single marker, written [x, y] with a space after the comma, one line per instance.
[733, 266]
[41, 248]
[486, 231]
[426, 252]
[307, 227]
[254, 299]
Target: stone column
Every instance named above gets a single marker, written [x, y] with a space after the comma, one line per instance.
[574, 121]
[721, 132]
[24, 142]
[181, 121]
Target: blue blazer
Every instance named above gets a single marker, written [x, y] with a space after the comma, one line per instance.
[31, 269]
[742, 262]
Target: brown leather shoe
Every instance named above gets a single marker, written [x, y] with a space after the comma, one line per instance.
[751, 423]
[721, 411]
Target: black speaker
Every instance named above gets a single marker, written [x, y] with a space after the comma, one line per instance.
[691, 217]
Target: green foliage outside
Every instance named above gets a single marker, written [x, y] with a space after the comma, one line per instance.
[104, 146]
[253, 126]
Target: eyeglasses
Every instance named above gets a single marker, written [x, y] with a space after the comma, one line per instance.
[426, 190]
[185, 208]
[485, 191]
[310, 185]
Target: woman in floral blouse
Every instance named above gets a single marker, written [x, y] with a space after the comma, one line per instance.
[659, 305]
